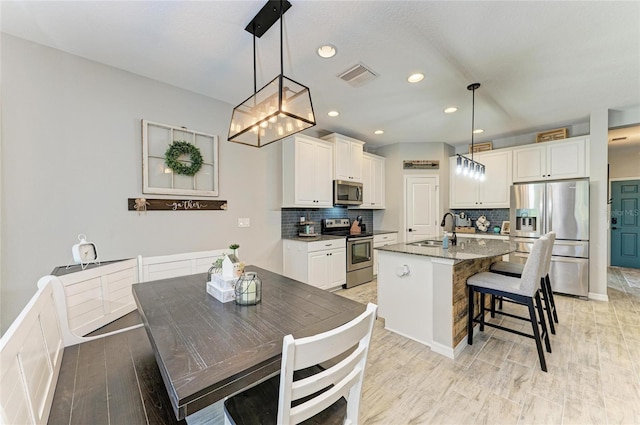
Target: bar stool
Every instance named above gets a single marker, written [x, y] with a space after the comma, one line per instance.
[508, 268]
[524, 290]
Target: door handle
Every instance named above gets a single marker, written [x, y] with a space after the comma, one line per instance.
[410, 230]
[614, 228]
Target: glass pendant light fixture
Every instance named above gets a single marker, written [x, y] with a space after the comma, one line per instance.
[465, 166]
[280, 108]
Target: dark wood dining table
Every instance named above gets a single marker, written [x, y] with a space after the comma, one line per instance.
[207, 350]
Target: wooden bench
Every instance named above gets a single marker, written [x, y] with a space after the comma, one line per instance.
[49, 373]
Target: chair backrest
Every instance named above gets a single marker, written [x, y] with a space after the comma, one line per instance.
[530, 280]
[547, 260]
[344, 378]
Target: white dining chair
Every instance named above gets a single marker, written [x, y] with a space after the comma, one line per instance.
[306, 391]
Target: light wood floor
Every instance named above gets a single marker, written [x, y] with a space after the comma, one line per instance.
[593, 377]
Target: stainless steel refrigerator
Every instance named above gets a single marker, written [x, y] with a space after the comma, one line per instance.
[563, 207]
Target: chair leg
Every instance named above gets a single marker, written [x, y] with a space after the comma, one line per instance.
[482, 312]
[551, 298]
[493, 306]
[536, 334]
[543, 322]
[470, 317]
[547, 304]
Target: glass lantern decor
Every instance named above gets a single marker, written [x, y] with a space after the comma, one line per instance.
[248, 289]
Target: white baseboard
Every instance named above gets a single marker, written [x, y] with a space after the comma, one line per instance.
[598, 297]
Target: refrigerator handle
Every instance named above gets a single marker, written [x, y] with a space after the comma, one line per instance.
[548, 209]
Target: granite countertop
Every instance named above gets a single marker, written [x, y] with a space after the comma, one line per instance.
[315, 238]
[467, 249]
[382, 232]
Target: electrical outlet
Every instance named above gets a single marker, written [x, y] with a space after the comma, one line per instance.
[244, 222]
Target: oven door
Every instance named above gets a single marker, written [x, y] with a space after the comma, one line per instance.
[359, 253]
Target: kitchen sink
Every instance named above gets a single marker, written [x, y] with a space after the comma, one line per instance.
[426, 243]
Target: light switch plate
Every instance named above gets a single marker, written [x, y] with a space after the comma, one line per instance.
[244, 222]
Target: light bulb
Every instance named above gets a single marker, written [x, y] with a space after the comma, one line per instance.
[273, 119]
[465, 168]
[264, 124]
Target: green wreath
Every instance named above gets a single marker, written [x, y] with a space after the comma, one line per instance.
[176, 150]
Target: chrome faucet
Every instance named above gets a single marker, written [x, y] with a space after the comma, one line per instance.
[454, 238]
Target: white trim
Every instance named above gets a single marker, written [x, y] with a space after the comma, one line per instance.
[598, 297]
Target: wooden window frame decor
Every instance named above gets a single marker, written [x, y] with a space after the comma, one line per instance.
[551, 135]
[158, 178]
[481, 147]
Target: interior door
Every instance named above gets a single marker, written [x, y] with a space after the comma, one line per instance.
[421, 206]
[625, 223]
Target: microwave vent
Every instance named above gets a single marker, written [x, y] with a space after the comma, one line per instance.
[358, 75]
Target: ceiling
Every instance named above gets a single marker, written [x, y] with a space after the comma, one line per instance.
[541, 64]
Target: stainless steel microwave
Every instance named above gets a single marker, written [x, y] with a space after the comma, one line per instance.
[347, 193]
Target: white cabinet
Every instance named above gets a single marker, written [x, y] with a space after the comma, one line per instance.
[563, 159]
[493, 192]
[382, 240]
[347, 157]
[373, 181]
[320, 263]
[307, 172]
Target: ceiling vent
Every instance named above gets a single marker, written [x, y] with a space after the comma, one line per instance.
[358, 75]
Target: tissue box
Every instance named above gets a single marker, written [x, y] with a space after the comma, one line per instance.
[220, 294]
[224, 282]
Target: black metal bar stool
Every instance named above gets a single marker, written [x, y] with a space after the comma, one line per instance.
[524, 290]
[508, 268]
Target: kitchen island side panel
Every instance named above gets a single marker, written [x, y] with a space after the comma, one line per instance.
[461, 272]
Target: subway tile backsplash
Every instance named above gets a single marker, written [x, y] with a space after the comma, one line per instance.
[291, 218]
[496, 216]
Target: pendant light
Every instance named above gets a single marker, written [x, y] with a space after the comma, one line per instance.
[465, 166]
[280, 108]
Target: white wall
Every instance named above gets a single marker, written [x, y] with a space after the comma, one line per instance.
[71, 156]
[599, 217]
[392, 218]
[624, 161]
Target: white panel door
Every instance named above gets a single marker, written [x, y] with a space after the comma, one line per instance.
[421, 206]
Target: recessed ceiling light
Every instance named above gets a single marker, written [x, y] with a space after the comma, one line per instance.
[415, 78]
[327, 51]
[378, 132]
[450, 110]
[478, 131]
[333, 113]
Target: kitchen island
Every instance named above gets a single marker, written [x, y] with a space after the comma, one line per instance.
[422, 291]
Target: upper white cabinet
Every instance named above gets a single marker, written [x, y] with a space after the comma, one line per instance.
[307, 172]
[493, 192]
[347, 157]
[373, 180]
[563, 159]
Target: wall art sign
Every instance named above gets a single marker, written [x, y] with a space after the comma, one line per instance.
[145, 204]
[178, 161]
[420, 164]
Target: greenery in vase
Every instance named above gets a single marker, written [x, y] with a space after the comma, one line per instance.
[233, 247]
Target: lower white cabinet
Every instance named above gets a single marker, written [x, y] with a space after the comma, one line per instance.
[319, 263]
[382, 240]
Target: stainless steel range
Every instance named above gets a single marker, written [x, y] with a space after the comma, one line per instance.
[359, 250]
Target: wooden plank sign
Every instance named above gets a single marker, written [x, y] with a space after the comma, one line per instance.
[145, 204]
